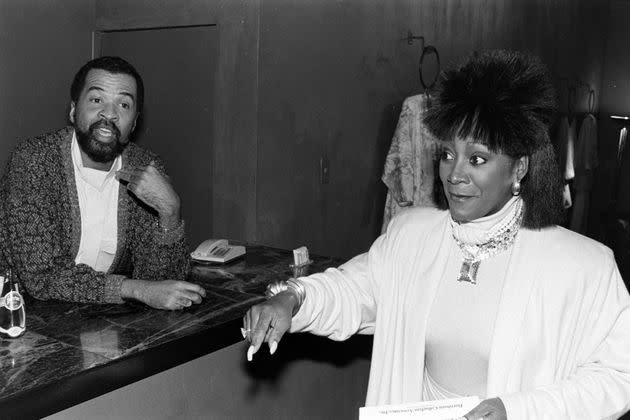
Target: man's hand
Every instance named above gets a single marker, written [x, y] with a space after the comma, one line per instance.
[155, 190]
[165, 294]
[491, 409]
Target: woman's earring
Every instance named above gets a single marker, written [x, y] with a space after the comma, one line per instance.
[516, 187]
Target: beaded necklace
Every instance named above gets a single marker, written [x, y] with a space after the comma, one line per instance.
[497, 239]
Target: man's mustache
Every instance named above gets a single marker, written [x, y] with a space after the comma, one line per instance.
[105, 124]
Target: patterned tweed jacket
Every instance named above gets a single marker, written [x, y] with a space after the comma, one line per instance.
[41, 227]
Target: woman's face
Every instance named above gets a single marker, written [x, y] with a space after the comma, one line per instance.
[477, 182]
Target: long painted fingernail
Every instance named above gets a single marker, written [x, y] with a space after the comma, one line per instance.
[272, 347]
[244, 332]
[250, 353]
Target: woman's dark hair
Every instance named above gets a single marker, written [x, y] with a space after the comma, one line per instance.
[115, 65]
[504, 100]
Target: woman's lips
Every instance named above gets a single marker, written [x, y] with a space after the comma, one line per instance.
[459, 197]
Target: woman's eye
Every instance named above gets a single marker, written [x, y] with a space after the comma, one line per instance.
[477, 160]
[446, 155]
[125, 105]
[95, 100]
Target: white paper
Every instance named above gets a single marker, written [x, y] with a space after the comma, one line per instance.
[428, 410]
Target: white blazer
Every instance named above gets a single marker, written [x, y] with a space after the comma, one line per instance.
[561, 343]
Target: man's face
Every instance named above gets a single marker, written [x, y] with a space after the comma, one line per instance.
[105, 114]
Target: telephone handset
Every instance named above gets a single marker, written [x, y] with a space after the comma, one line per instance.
[217, 250]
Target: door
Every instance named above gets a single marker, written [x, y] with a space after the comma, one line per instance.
[177, 66]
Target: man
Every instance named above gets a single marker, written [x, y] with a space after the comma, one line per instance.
[89, 216]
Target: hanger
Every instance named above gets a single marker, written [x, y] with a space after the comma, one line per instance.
[426, 51]
[429, 49]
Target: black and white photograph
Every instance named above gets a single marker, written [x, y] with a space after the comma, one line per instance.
[315, 209]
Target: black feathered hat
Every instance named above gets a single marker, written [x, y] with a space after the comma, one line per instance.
[502, 99]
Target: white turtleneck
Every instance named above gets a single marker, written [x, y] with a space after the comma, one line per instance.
[461, 323]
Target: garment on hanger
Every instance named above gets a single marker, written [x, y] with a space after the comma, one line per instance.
[408, 171]
[618, 220]
[622, 193]
[623, 135]
[585, 162]
[569, 168]
[565, 141]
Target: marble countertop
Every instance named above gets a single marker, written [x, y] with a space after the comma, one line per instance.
[73, 352]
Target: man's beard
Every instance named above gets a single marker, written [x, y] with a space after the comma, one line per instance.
[96, 150]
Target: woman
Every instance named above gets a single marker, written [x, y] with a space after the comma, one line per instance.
[489, 297]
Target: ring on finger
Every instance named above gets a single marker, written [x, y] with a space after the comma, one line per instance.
[245, 332]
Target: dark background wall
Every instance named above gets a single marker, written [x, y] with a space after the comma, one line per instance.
[333, 76]
[235, 99]
[615, 101]
[295, 82]
[42, 45]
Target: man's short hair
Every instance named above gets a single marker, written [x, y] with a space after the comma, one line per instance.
[115, 65]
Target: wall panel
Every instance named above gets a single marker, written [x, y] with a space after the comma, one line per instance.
[302, 81]
[42, 45]
[236, 94]
[334, 74]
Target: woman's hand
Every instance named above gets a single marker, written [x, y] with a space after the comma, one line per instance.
[268, 321]
[491, 409]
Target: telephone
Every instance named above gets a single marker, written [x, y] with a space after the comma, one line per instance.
[217, 250]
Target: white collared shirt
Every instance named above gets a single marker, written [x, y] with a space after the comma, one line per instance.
[98, 203]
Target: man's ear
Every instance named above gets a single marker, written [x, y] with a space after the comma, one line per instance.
[135, 121]
[522, 166]
[73, 107]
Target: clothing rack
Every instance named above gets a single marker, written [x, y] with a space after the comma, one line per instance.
[426, 50]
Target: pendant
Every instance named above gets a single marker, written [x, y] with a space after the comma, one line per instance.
[468, 271]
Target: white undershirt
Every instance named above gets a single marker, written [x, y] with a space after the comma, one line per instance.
[462, 318]
[98, 203]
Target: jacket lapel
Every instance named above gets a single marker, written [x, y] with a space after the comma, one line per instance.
[522, 272]
[72, 224]
[122, 219]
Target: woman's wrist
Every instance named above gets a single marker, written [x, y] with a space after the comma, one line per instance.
[290, 299]
[293, 287]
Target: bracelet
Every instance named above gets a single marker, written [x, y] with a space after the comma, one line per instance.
[291, 285]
